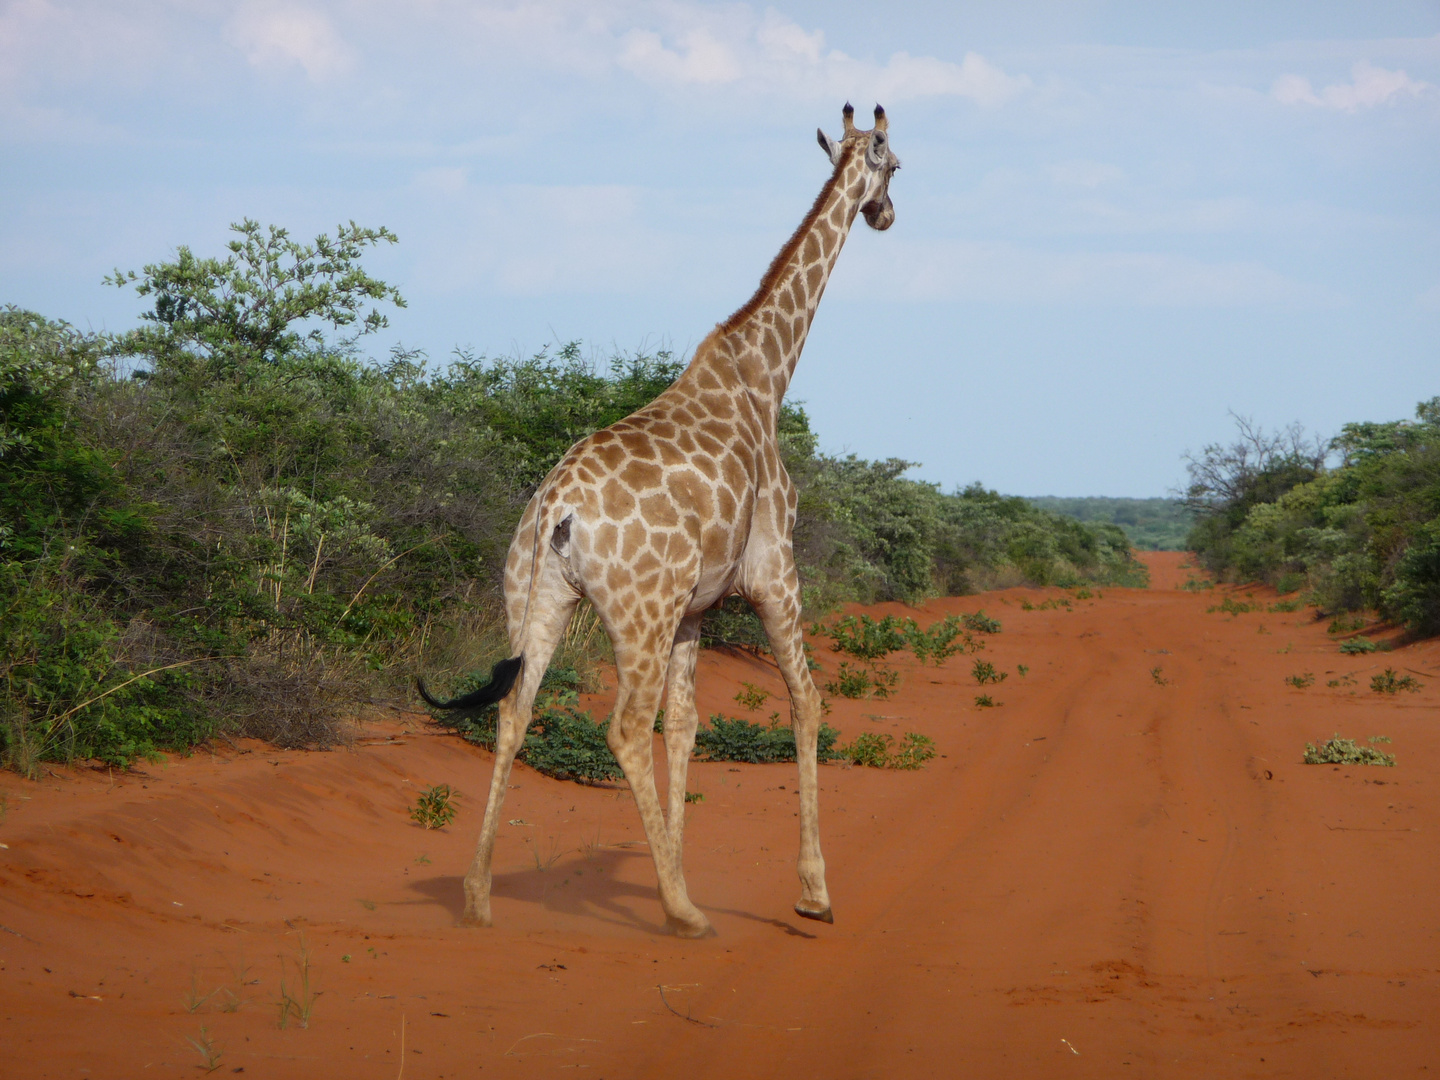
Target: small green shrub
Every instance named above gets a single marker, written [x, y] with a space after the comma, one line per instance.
[733, 624]
[915, 749]
[1022, 669]
[850, 682]
[872, 749]
[1300, 682]
[865, 639]
[1285, 606]
[861, 682]
[751, 696]
[886, 681]
[566, 743]
[733, 739]
[1289, 583]
[435, 807]
[985, 672]
[1232, 607]
[1338, 751]
[1346, 624]
[210, 1052]
[1390, 682]
[985, 701]
[982, 623]
[1358, 645]
[1197, 585]
[694, 797]
[1157, 673]
[942, 640]
[297, 999]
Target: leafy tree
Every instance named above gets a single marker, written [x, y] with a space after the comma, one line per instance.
[1364, 533]
[262, 301]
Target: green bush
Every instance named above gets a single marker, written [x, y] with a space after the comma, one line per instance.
[1390, 681]
[1358, 645]
[1364, 533]
[873, 749]
[566, 743]
[866, 639]
[434, 807]
[942, 640]
[733, 624]
[981, 623]
[985, 672]
[863, 681]
[734, 739]
[1338, 751]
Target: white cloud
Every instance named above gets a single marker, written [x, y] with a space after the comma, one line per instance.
[907, 76]
[673, 43]
[696, 58]
[271, 34]
[693, 44]
[1370, 86]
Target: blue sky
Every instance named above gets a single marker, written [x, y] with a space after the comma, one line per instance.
[1115, 221]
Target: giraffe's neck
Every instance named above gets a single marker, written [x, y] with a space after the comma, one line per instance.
[764, 338]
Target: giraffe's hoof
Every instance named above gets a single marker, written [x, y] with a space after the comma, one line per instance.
[476, 916]
[698, 927]
[819, 914]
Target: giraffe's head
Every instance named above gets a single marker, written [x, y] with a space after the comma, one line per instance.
[875, 160]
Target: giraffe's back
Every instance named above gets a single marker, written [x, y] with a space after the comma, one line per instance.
[660, 504]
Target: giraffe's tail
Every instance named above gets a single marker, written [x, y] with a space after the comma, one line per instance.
[502, 678]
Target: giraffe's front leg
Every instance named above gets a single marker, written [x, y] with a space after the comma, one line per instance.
[779, 608]
[681, 721]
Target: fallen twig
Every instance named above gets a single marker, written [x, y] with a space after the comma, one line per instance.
[684, 1015]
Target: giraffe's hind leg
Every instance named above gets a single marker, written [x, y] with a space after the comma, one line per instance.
[556, 602]
[681, 722]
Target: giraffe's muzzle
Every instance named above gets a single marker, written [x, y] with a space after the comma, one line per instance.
[879, 214]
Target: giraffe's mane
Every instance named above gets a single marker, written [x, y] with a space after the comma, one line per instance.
[782, 257]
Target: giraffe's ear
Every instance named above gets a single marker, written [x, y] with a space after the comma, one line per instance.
[829, 145]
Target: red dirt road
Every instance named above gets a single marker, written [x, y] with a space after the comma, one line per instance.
[1102, 877]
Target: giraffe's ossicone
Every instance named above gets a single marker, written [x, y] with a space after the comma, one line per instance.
[659, 517]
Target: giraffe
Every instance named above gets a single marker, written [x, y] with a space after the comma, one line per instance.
[662, 515]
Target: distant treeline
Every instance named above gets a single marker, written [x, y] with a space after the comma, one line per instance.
[1353, 522]
[1149, 524]
[231, 520]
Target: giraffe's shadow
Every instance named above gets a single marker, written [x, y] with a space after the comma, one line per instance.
[584, 888]
[591, 888]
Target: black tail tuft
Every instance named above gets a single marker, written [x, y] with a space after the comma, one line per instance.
[502, 678]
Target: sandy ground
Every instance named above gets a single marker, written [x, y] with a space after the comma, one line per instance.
[1103, 876]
